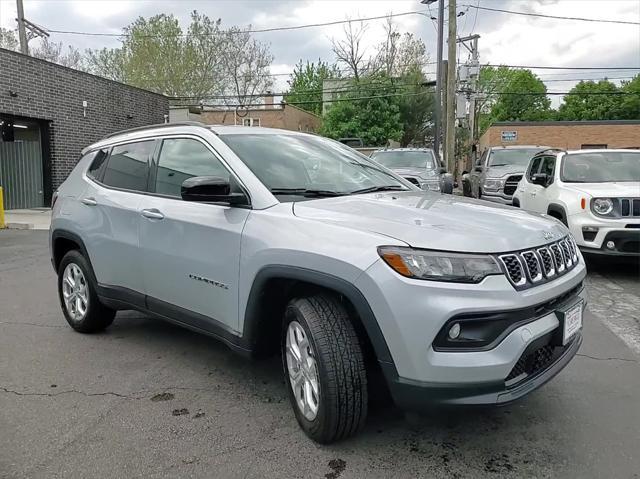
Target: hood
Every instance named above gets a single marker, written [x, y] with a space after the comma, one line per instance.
[414, 171]
[500, 171]
[436, 221]
[626, 189]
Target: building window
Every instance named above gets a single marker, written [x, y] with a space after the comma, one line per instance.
[593, 147]
[251, 122]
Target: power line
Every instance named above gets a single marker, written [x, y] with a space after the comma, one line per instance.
[555, 17]
[258, 30]
[538, 67]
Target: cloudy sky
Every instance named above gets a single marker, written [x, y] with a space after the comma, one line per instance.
[505, 38]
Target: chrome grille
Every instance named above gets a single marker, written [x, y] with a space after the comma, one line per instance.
[530, 267]
[511, 184]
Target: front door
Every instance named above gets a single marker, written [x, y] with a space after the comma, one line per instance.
[528, 190]
[540, 201]
[190, 250]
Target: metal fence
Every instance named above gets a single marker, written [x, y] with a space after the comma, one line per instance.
[21, 174]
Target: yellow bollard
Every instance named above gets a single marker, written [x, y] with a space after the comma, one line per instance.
[1, 209]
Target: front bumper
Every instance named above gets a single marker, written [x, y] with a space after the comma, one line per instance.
[411, 313]
[497, 197]
[415, 396]
[623, 232]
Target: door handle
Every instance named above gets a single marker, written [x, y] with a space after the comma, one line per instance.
[89, 201]
[153, 214]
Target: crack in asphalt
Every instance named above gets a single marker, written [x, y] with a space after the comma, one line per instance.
[19, 323]
[136, 395]
[607, 359]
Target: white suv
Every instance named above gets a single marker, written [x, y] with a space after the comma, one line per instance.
[273, 240]
[596, 193]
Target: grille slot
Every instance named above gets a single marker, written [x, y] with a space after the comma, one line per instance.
[412, 180]
[532, 265]
[511, 184]
[574, 249]
[547, 262]
[557, 258]
[514, 269]
[564, 245]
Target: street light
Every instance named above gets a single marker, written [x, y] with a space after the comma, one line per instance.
[438, 106]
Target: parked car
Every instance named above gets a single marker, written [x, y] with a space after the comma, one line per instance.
[596, 193]
[498, 171]
[279, 241]
[417, 165]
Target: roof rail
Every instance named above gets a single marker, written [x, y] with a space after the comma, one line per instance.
[158, 125]
[549, 149]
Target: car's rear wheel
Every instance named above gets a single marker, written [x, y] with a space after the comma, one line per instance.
[324, 368]
[77, 291]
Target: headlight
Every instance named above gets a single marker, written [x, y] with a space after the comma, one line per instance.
[602, 206]
[493, 184]
[430, 185]
[439, 265]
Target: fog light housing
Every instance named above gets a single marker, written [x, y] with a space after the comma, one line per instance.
[611, 245]
[454, 331]
[589, 233]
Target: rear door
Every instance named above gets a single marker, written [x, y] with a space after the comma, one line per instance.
[110, 203]
[190, 251]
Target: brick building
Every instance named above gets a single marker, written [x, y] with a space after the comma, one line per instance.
[270, 115]
[48, 113]
[569, 135]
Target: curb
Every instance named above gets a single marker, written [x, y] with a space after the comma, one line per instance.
[19, 226]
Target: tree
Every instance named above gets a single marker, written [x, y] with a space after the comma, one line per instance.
[245, 63]
[199, 64]
[398, 54]
[307, 82]
[589, 100]
[512, 95]
[369, 111]
[629, 103]
[9, 39]
[350, 50]
[416, 109]
[56, 53]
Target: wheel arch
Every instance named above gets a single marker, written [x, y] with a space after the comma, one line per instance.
[63, 241]
[558, 211]
[274, 286]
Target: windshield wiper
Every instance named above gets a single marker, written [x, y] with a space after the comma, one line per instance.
[305, 192]
[379, 188]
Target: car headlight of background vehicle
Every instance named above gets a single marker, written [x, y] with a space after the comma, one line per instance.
[493, 183]
[602, 206]
[439, 265]
[433, 185]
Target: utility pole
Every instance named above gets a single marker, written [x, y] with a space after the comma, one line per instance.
[439, 75]
[451, 90]
[443, 127]
[22, 31]
[468, 76]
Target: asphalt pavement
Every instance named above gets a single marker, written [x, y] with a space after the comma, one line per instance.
[149, 399]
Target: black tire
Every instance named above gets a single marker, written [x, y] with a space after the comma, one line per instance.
[97, 316]
[343, 403]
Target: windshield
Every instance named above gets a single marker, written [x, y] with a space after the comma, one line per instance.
[305, 165]
[601, 167]
[405, 159]
[513, 157]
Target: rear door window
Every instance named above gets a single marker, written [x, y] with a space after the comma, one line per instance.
[128, 166]
[548, 166]
[98, 164]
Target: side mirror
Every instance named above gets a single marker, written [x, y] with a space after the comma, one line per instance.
[211, 189]
[442, 170]
[541, 179]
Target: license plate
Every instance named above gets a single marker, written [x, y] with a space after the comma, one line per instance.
[572, 322]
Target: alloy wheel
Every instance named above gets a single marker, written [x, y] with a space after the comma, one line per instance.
[75, 292]
[303, 371]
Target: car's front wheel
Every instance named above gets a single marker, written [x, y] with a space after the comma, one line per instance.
[324, 368]
[77, 291]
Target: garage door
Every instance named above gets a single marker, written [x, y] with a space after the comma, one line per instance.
[21, 174]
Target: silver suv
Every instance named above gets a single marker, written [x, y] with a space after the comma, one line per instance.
[276, 241]
[496, 174]
[417, 165]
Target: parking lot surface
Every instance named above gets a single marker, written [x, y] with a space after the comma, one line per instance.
[149, 399]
